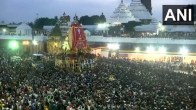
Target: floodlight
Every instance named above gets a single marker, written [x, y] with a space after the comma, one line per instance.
[103, 26]
[162, 50]
[150, 49]
[35, 42]
[183, 51]
[4, 30]
[25, 42]
[113, 46]
[137, 49]
[13, 45]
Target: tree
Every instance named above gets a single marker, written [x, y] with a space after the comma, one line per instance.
[128, 27]
[31, 25]
[40, 22]
[85, 20]
[93, 20]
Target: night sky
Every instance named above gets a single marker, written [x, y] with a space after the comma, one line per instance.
[29, 10]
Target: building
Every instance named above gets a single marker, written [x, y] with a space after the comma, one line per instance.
[18, 39]
[23, 29]
[7, 29]
[122, 14]
[140, 11]
[136, 11]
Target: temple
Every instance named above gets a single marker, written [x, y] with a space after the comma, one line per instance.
[148, 5]
[140, 11]
[122, 14]
[136, 11]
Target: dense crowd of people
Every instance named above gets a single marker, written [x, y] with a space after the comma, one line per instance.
[165, 35]
[169, 35]
[113, 84]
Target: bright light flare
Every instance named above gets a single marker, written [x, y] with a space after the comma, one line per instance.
[150, 49]
[137, 49]
[183, 51]
[35, 42]
[4, 30]
[25, 42]
[13, 45]
[113, 46]
[162, 50]
[103, 26]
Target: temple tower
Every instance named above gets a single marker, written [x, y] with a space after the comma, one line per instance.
[140, 11]
[122, 14]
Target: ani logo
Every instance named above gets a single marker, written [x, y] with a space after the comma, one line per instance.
[178, 14]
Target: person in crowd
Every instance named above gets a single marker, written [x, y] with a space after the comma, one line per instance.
[112, 84]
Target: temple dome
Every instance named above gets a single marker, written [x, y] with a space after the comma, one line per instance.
[139, 10]
[122, 14]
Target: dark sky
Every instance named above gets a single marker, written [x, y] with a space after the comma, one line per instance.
[27, 10]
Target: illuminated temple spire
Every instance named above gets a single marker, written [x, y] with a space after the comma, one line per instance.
[122, 14]
[139, 10]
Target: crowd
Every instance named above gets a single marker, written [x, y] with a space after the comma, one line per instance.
[169, 35]
[113, 84]
[165, 35]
